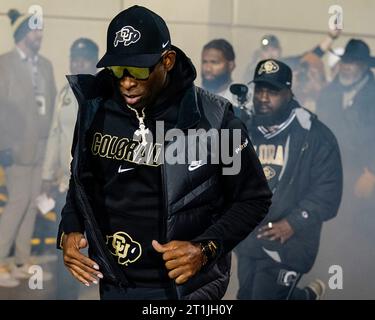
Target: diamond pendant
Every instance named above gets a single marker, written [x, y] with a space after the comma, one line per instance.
[142, 130]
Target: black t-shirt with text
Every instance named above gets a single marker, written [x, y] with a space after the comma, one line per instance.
[126, 192]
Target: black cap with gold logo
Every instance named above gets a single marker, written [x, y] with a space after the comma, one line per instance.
[273, 72]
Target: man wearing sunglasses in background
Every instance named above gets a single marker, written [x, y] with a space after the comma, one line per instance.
[155, 230]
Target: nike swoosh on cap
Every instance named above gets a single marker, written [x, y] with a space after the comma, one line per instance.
[165, 44]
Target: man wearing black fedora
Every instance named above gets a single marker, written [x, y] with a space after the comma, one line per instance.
[347, 106]
[156, 229]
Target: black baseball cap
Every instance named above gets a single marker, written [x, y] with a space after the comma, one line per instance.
[269, 40]
[84, 48]
[136, 37]
[273, 72]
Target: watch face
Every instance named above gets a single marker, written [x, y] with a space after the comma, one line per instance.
[209, 249]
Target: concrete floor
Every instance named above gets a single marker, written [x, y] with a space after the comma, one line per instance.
[49, 264]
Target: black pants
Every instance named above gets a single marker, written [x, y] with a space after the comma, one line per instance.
[111, 292]
[266, 279]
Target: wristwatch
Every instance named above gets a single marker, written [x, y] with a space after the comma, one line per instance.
[209, 251]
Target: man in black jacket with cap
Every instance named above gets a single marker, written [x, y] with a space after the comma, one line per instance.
[301, 161]
[156, 228]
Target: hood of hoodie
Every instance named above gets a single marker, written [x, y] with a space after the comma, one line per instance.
[178, 95]
[180, 78]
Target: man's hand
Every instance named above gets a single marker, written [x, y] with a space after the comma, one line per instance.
[280, 230]
[334, 33]
[82, 268]
[365, 185]
[183, 259]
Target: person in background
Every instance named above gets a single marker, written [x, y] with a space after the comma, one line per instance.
[217, 65]
[309, 79]
[301, 161]
[56, 167]
[27, 85]
[346, 105]
[270, 48]
[9, 133]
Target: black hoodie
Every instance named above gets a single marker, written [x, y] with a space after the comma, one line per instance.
[198, 206]
[126, 195]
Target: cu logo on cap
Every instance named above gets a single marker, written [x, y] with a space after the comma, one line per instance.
[269, 66]
[127, 35]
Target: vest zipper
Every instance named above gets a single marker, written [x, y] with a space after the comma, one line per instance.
[165, 220]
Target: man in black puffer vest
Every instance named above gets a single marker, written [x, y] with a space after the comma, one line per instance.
[160, 223]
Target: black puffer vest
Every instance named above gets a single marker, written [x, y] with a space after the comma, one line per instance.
[192, 200]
